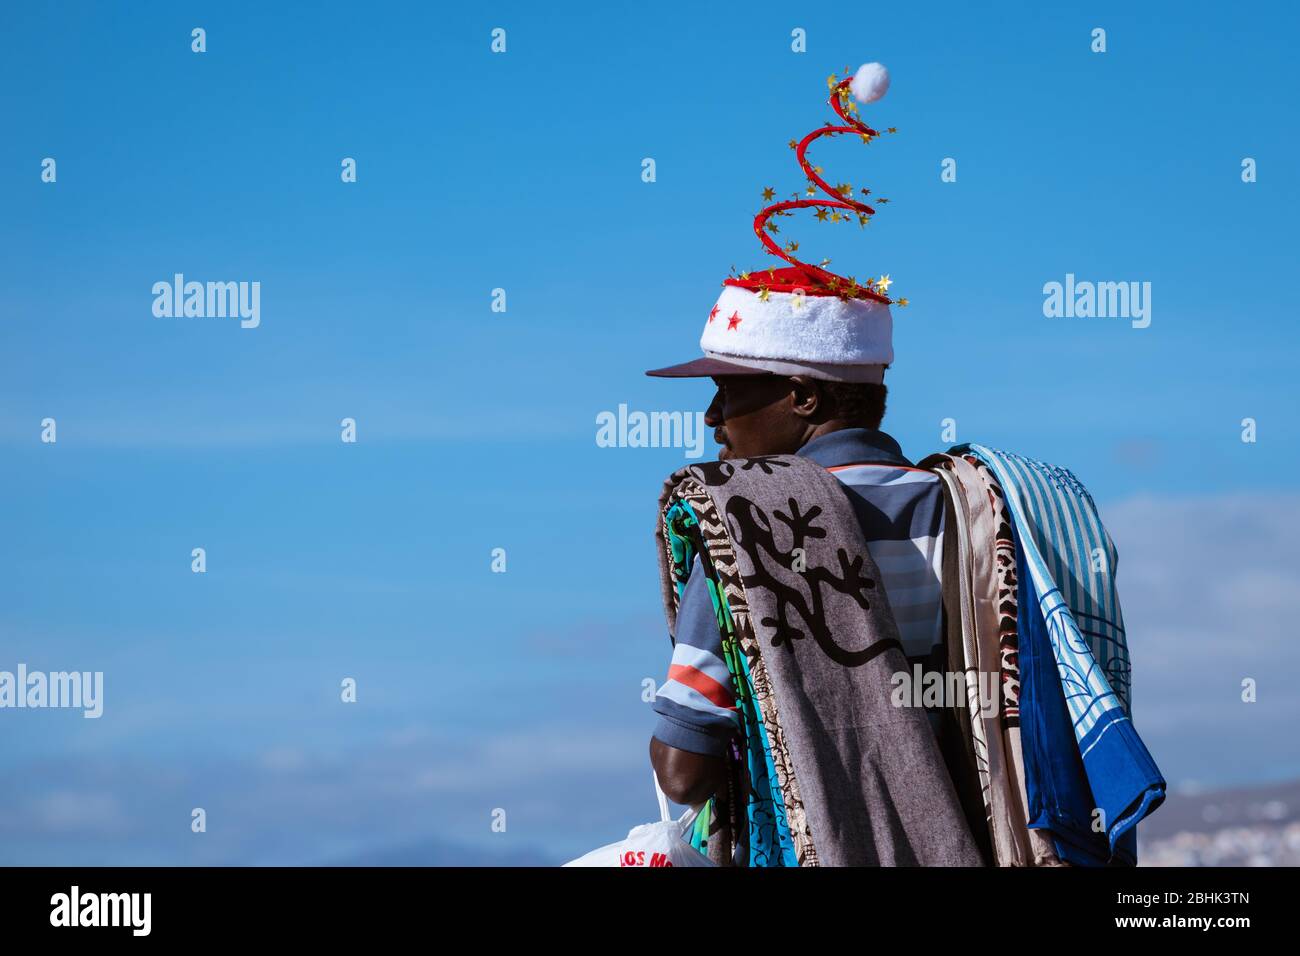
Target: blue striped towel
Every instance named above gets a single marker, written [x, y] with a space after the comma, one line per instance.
[1089, 777]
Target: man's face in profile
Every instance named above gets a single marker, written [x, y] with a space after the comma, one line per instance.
[752, 415]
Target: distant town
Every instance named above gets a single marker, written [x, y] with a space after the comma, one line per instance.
[1250, 826]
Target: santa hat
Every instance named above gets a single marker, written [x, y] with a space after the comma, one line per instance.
[801, 319]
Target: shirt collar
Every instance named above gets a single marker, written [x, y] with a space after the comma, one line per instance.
[852, 446]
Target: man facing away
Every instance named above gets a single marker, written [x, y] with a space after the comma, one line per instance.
[807, 380]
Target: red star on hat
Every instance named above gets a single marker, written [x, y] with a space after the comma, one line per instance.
[713, 314]
[734, 321]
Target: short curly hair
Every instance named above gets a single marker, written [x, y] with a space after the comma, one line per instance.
[861, 403]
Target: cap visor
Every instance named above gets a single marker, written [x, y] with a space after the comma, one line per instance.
[706, 368]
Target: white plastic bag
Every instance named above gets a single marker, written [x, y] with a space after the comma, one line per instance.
[652, 844]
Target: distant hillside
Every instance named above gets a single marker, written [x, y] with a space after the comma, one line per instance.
[1243, 826]
[1271, 804]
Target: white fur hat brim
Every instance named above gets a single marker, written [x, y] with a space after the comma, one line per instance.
[796, 333]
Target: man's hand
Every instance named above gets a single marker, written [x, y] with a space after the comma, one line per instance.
[687, 778]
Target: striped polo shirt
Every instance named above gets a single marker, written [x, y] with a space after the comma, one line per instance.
[900, 510]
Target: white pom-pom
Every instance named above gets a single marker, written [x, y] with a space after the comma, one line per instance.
[870, 83]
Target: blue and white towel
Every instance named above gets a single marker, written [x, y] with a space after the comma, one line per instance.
[1092, 794]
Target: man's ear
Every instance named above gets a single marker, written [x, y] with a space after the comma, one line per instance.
[806, 398]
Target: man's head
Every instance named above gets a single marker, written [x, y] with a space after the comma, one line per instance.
[778, 415]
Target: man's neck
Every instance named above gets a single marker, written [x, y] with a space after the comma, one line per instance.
[852, 443]
[827, 427]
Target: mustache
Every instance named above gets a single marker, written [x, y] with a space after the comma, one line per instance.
[720, 436]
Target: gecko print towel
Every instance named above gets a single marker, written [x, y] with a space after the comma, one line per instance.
[833, 773]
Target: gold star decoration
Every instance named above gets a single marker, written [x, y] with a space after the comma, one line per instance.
[792, 246]
[863, 219]
[794, 144]
[901, 302]
[882, 200]
[744, 276]
[883, 283]
[821, 214]
[892, 129]
[762, 294]
[772, 226]
[768, 193]
[836, 217]
[830, 81]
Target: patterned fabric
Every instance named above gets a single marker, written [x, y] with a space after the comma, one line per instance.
[1059, 796]
[1067, 567]
[768, 833]
[984, 576]
[1072, 562]
[1004, 550]
[861, 780]
[1040, 850]
[696, 704]
[1064, 541]
[773, 812]
[971, 612]
[899, 509]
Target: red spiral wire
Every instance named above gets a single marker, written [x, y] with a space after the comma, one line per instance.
[841, 285]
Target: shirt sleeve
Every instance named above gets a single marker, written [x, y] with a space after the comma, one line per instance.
[696, 705]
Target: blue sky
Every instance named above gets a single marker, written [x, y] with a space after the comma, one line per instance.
[476, 429]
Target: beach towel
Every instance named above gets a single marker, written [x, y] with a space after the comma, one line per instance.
[830, 772]
[1074, 667]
